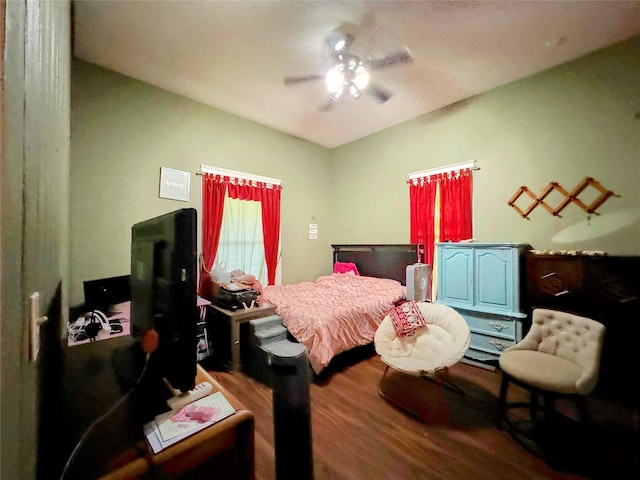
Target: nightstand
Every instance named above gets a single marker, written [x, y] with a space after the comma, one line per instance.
[224, 327]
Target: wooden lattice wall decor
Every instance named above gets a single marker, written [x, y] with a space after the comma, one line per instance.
[569, 197]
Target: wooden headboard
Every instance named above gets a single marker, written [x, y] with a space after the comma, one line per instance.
[382, 261]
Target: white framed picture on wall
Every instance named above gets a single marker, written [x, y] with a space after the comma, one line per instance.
[174, 184]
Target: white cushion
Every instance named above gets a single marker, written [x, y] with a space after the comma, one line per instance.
[541, 370]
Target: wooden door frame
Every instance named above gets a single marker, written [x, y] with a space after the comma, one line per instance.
[34, 162]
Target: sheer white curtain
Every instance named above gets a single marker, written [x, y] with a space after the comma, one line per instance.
[241, 241]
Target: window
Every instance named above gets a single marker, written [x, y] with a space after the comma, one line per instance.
[247, 208]
[241, 241]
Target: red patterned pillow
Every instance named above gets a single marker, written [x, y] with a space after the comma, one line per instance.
[407, 318]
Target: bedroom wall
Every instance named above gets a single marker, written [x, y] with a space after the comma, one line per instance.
[562, 125]
[124, 130]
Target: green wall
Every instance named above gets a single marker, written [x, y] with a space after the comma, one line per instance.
[575, 121]
[562, 125]
[124, 130]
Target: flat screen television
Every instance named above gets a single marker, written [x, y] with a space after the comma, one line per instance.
[101, 294]
[163, 293]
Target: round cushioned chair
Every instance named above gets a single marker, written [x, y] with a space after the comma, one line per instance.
[558, 357]
[431, 350]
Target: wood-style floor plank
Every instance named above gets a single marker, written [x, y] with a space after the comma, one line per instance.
[358, 434]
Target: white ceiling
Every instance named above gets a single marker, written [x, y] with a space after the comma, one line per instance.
[233, 55]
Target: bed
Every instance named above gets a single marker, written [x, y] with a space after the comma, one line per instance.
[338, 312]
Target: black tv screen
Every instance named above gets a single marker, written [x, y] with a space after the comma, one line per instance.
[163, 292]
[102, 293]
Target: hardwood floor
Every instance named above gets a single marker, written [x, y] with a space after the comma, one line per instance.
[357, 434]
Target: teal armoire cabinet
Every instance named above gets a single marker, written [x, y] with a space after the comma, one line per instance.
[484, 282]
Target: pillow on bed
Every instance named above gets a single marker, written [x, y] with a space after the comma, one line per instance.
[407, 318]
[345, 267]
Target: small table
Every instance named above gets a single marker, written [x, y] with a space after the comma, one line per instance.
[231, 438]
[235, 318]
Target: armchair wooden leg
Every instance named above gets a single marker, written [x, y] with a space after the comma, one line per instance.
[583, 412]
[502, 401]
[533, 406]
[549, 406]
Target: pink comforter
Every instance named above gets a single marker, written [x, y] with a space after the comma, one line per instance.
[335, 313]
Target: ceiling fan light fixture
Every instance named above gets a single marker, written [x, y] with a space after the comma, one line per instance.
[361, 77]
[335, 81]
[349, 74]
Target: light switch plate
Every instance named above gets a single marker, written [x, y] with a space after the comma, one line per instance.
[36, 321]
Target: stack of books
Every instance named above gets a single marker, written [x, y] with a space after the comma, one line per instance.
[171, 427]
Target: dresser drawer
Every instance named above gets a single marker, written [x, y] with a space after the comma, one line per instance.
[480, 358]
[504, 327]
[490, 344]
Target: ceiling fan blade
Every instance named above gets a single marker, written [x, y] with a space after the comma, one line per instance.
[328, 106]
[403, 56]
[379, 93]
[302, 78]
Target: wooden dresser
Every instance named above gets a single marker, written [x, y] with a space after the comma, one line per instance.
[606, 289]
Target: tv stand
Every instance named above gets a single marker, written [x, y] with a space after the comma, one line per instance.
[117, 447]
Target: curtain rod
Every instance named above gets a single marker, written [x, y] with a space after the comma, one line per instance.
[235, 174]
[447, 168]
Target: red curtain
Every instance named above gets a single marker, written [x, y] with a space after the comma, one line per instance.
[268, 195]
[271, 228]
[422, 195]
[213, 191]
[456, 194]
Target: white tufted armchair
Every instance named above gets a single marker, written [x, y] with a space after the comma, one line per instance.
[559, 357]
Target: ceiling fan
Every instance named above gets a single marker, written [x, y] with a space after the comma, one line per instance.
[348, 74]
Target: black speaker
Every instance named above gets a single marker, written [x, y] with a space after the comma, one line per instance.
[292, 412]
